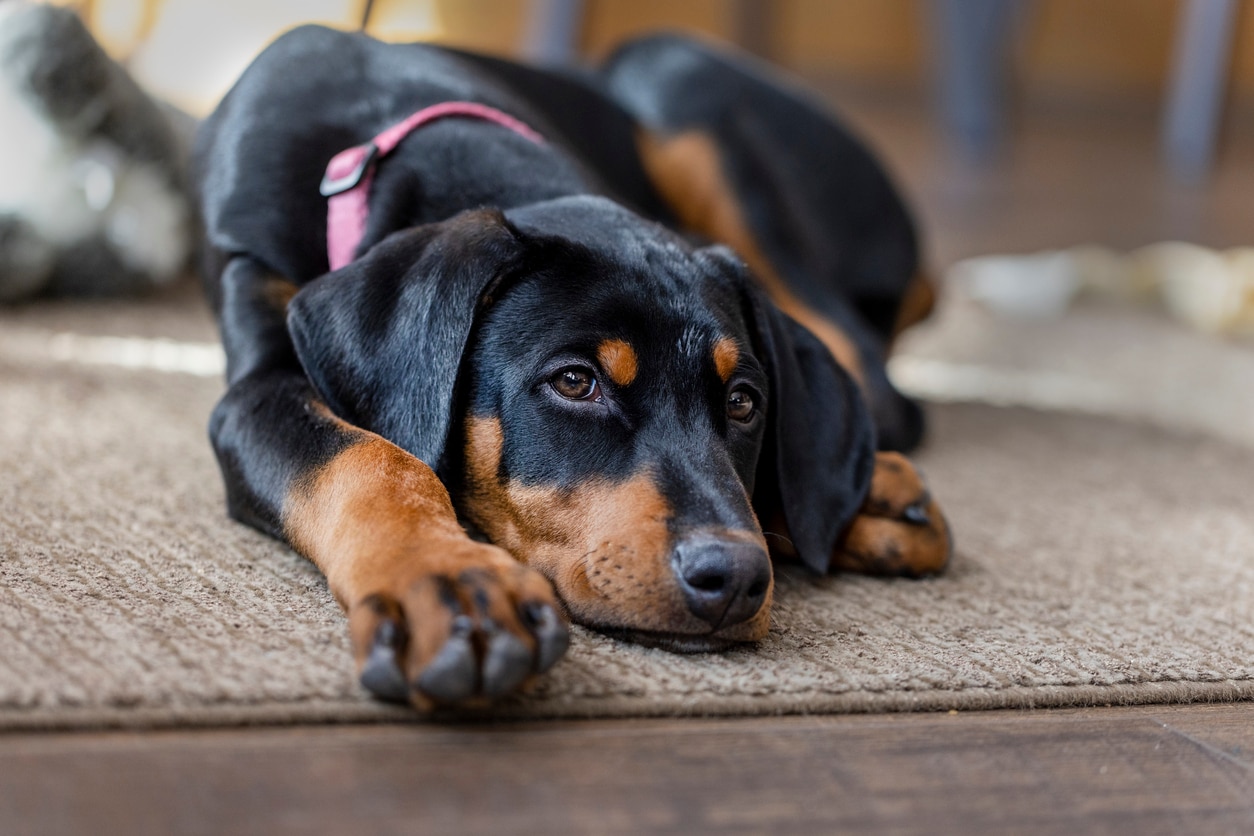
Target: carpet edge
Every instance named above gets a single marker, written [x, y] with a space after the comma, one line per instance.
[332, 712]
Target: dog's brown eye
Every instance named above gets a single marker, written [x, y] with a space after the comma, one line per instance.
[576, 384]
[740, 405]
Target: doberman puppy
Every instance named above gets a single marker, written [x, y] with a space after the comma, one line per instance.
[510, 366]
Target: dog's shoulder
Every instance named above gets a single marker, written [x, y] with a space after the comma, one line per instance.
[312, 93]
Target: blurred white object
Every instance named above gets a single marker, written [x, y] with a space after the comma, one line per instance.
[1108, 274]
[1209, 290]
[1040, 285]
[94, 200]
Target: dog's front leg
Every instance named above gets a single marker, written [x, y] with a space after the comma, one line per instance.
[435, 617]
[899, 530]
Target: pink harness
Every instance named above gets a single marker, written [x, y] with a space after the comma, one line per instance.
[350, 172]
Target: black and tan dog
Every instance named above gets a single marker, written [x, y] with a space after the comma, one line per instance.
[544, 384]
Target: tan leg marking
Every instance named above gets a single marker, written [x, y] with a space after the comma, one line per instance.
[687, 171]
[381, 527]
[605, 546]
[618, 359]
[900, 530]
[726, 356]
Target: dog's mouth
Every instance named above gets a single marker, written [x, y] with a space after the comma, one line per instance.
[674, 642]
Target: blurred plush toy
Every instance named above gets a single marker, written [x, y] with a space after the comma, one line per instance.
[1210, 290]
[93, 198]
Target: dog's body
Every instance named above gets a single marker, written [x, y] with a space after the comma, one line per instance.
[526, 348]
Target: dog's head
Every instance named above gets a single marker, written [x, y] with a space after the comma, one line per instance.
[617, 408]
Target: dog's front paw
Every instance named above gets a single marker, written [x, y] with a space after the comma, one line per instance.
[466, 627]
[900, 529]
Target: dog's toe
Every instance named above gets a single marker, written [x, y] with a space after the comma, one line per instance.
[551, 634]
[381, 673]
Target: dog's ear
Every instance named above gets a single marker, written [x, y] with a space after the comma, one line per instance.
[819, 451]
[382, 338]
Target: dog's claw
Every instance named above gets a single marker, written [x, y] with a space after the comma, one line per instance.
[452, 674]
[916, 514]
[552, 635]
[506, 665]
[381, 675]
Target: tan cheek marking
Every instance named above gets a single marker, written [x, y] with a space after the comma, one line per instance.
[726, 356]
[618, 359]
[606, 547]
[357, 515]
[687, 172]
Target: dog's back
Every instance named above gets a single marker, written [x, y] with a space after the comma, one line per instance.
[316, 91]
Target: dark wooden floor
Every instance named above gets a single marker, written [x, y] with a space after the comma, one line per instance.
[1171, 769]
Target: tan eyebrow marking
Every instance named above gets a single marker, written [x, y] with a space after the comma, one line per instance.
[726, 356]
[618, 359]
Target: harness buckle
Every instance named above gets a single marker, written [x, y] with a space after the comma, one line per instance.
[332, 185]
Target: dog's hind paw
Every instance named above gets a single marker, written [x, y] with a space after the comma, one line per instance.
[476, 628]
[900, 529]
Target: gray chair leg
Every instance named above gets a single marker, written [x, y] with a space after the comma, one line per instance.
[1198, 83]
[972, 42]
[552, 36]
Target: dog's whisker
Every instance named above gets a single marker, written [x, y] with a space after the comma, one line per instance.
[779, 537]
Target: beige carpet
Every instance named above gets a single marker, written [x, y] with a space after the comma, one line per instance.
[1098, 562]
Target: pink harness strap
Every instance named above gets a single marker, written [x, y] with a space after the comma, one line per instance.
[350, 172]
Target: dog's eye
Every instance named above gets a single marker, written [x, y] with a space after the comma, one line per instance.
[740, 406]
[576, 384]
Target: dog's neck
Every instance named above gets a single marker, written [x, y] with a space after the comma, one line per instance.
[350, 174]
[455, 165]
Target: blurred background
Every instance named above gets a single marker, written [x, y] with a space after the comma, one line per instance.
[1069, 134]
[1014, 124]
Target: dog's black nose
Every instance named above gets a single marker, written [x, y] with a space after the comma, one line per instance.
[724, 581]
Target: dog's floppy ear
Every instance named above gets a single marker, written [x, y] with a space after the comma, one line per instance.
[382, 338]
[819, 451]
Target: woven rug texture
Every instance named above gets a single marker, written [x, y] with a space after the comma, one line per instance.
[1098, 561]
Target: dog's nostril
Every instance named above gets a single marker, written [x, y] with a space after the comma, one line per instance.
[707, 582]
[757, 590]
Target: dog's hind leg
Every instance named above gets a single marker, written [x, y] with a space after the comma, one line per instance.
[746, 157]
[435, 617]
